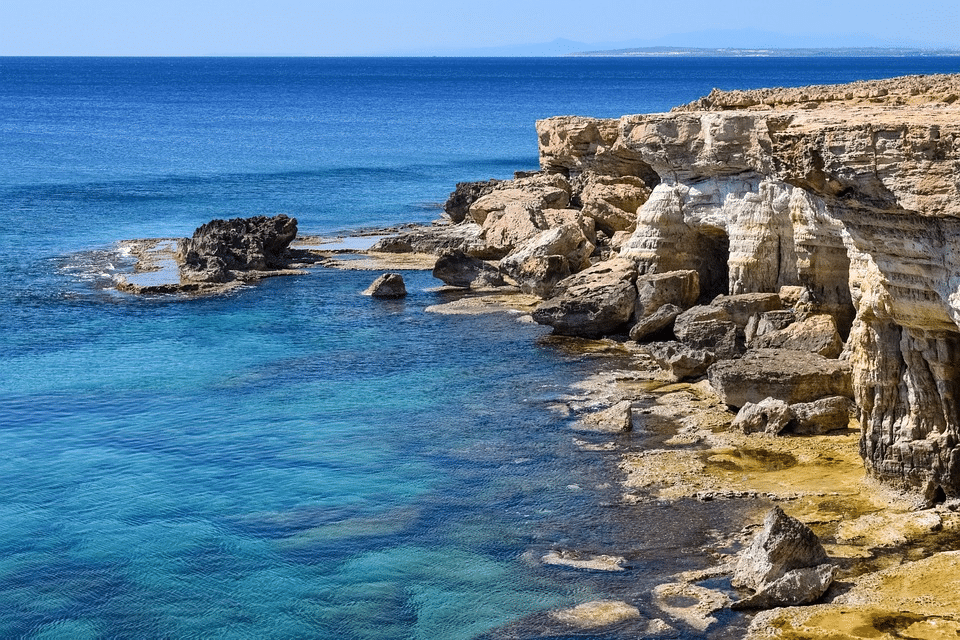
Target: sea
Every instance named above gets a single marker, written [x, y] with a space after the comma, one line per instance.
[294, 459]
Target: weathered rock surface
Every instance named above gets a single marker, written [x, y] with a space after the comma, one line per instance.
[389, 285]
[465, 194]
[679, 288]
[791, 376]
[457, 269]
[767, 416]
[658, 321]
[785, 564]
[709, 328]
[822, 416]
[615, 419]
[539, 263]
[432, 240]
[816, 334]
[682, 362]
[219, 249]
[850, 192]
[597, 301]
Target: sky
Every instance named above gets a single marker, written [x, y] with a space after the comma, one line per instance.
[442, 27]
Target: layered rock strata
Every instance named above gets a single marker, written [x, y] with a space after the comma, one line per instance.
[849, 193]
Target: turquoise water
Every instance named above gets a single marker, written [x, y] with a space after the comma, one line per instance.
[295, 460]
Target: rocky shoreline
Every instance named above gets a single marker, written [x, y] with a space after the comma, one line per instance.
[781, 266]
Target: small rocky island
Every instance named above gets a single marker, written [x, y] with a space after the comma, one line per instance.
[785, 262]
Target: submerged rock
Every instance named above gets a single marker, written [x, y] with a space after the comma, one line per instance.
[599, 613]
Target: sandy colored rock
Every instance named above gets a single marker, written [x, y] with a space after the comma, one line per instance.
[389, 285]
[816, 334]
[599, 613]
[791, 376]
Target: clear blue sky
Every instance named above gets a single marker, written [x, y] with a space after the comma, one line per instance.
[370, 27]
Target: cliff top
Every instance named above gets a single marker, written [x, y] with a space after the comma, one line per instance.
[919, 90]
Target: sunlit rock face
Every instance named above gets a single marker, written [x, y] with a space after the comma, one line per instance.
[852, 192]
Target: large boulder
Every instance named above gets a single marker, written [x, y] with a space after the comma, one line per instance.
[541, 262]
[767, 416]
[457, 269]
[679, 360]
[791, 376]
[613, 200]
[655, 323]
[742, 307]
[597, 301]
[709, 328]
[536, 193]
[817, 334]
[434, 240]
[822, 416]
[389, 285]
[785, 564]
[220, 248]
[679, 288]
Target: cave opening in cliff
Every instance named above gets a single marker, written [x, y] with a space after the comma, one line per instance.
[713, 250]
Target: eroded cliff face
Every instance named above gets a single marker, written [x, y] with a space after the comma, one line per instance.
[852, 192]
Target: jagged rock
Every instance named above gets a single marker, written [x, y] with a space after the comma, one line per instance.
[791, 376]
[389, 285]
[536, 193]
[432, 240]
[785, 564]
[768, 416]
[679, 360]
[654, 323]
[679, 288]
[220, 248]
[709, 328]
[744, 306]
[457, 269]
[817, 334]
[822, 416]
[795, 588]
[465, 194]
[541, 262]
[613, 201]
[597, 301]
[768, 322]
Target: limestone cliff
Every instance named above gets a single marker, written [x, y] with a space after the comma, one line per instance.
[852, 192]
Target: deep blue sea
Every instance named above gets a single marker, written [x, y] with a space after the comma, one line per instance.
[295, 460]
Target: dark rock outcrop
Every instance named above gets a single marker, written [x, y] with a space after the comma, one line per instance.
[457, 269]
[220, 249]
[465, 194]
[597, 301]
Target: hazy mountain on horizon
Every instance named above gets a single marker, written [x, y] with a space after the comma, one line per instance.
[709, 39]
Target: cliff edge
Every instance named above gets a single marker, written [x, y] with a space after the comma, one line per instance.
[850, 192]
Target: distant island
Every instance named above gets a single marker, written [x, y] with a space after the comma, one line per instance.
[733, 52]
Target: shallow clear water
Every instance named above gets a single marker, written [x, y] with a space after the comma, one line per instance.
[296, 460]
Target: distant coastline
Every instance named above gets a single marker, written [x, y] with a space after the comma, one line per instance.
[733, 52]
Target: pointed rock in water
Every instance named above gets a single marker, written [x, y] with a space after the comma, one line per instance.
[389, 285]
